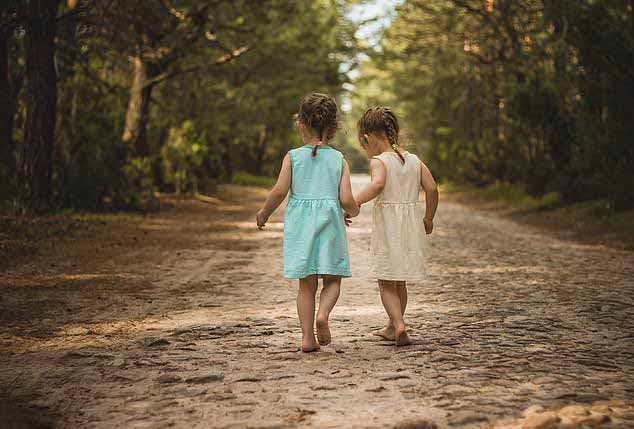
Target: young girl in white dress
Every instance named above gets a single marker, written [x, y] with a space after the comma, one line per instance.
[399, 221]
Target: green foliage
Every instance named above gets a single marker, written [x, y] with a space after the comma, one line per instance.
[514, 195]
[182, 157]
[245, 179]
[212, 113]
[531, 92]
[139, 181]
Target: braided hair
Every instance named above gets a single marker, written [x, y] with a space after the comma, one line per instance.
[318, 112]
[381, 120]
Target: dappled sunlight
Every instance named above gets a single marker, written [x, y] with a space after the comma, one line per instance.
[494, 269]
[59, 279]
[72, 336]
[139, 140]
[249, 225]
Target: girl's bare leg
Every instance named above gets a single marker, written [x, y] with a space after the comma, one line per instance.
[392, 304]
[327, 300]
[388, 331]
[306, 312]
[402, 294]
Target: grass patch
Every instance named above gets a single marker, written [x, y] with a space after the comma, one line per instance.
[243, 178]
[509, 194]
[590, 220]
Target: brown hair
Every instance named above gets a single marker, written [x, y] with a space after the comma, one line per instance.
[318, 112]
[381, 120]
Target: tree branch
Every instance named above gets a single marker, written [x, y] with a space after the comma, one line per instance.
[218, 61]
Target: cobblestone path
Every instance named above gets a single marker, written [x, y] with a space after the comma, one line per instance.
[194, 326]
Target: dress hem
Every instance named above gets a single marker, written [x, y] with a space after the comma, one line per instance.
[297, 275]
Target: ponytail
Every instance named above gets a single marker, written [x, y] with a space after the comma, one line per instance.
[381, 120]
[321, 138]
[400, 155]
[391, 131]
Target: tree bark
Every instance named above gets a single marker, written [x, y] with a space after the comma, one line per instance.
[262, 144]
[36, 154]
[7, 111]
[137, 115]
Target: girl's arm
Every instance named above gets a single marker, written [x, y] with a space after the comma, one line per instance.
[277, 194]
[345, 192]
[428, 184]
[377, 182]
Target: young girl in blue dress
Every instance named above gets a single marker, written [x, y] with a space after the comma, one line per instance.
[315, 243]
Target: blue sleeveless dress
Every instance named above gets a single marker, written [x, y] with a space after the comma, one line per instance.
[314, 231]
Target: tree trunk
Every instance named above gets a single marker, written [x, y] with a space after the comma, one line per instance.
[36, 154]
[136, 119]
[262, 143]
[7, 111]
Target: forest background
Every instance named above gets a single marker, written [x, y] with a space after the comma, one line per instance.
[105, 103]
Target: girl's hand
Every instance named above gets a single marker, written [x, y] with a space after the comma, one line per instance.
[429, 225]
[260, 219]
[347, 219]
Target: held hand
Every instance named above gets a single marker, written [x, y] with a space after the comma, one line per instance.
[347, 219]
[429, 225]
[260, 219]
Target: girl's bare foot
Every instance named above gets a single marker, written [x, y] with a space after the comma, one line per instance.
[309, 344]
[386, 333]
[401, 337]
[323, 332]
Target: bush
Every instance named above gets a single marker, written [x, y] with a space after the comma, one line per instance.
[245, 179]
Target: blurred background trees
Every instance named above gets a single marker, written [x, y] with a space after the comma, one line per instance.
[105, 102]
[533, 92]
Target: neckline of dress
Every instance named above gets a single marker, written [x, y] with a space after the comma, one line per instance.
[323, 146]
[394, 153]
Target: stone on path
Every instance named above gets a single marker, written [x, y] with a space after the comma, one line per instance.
[207, 378]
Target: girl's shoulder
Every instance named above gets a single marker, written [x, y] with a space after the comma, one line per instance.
[413, 156]
[336, 153]
[303, 154]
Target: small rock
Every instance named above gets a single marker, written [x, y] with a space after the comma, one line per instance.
[624, 413]
[325, 387]
[532, 410]
[463, 418]
[78, 354]
[416, 424]
[546, 420]
[281, 377]
[154, 342]
[375, 389]
[592, 419]
[248, 377]
[201, 379]
[392, 376]
[168, 378]
[574, 411]
[562, 394]
[149, 362]
[221, 397]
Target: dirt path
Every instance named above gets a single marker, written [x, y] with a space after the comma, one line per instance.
[183, 319]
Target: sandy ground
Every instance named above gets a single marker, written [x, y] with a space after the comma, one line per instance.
[183, 319]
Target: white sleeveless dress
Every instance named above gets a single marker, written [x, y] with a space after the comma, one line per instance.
[398, 232]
